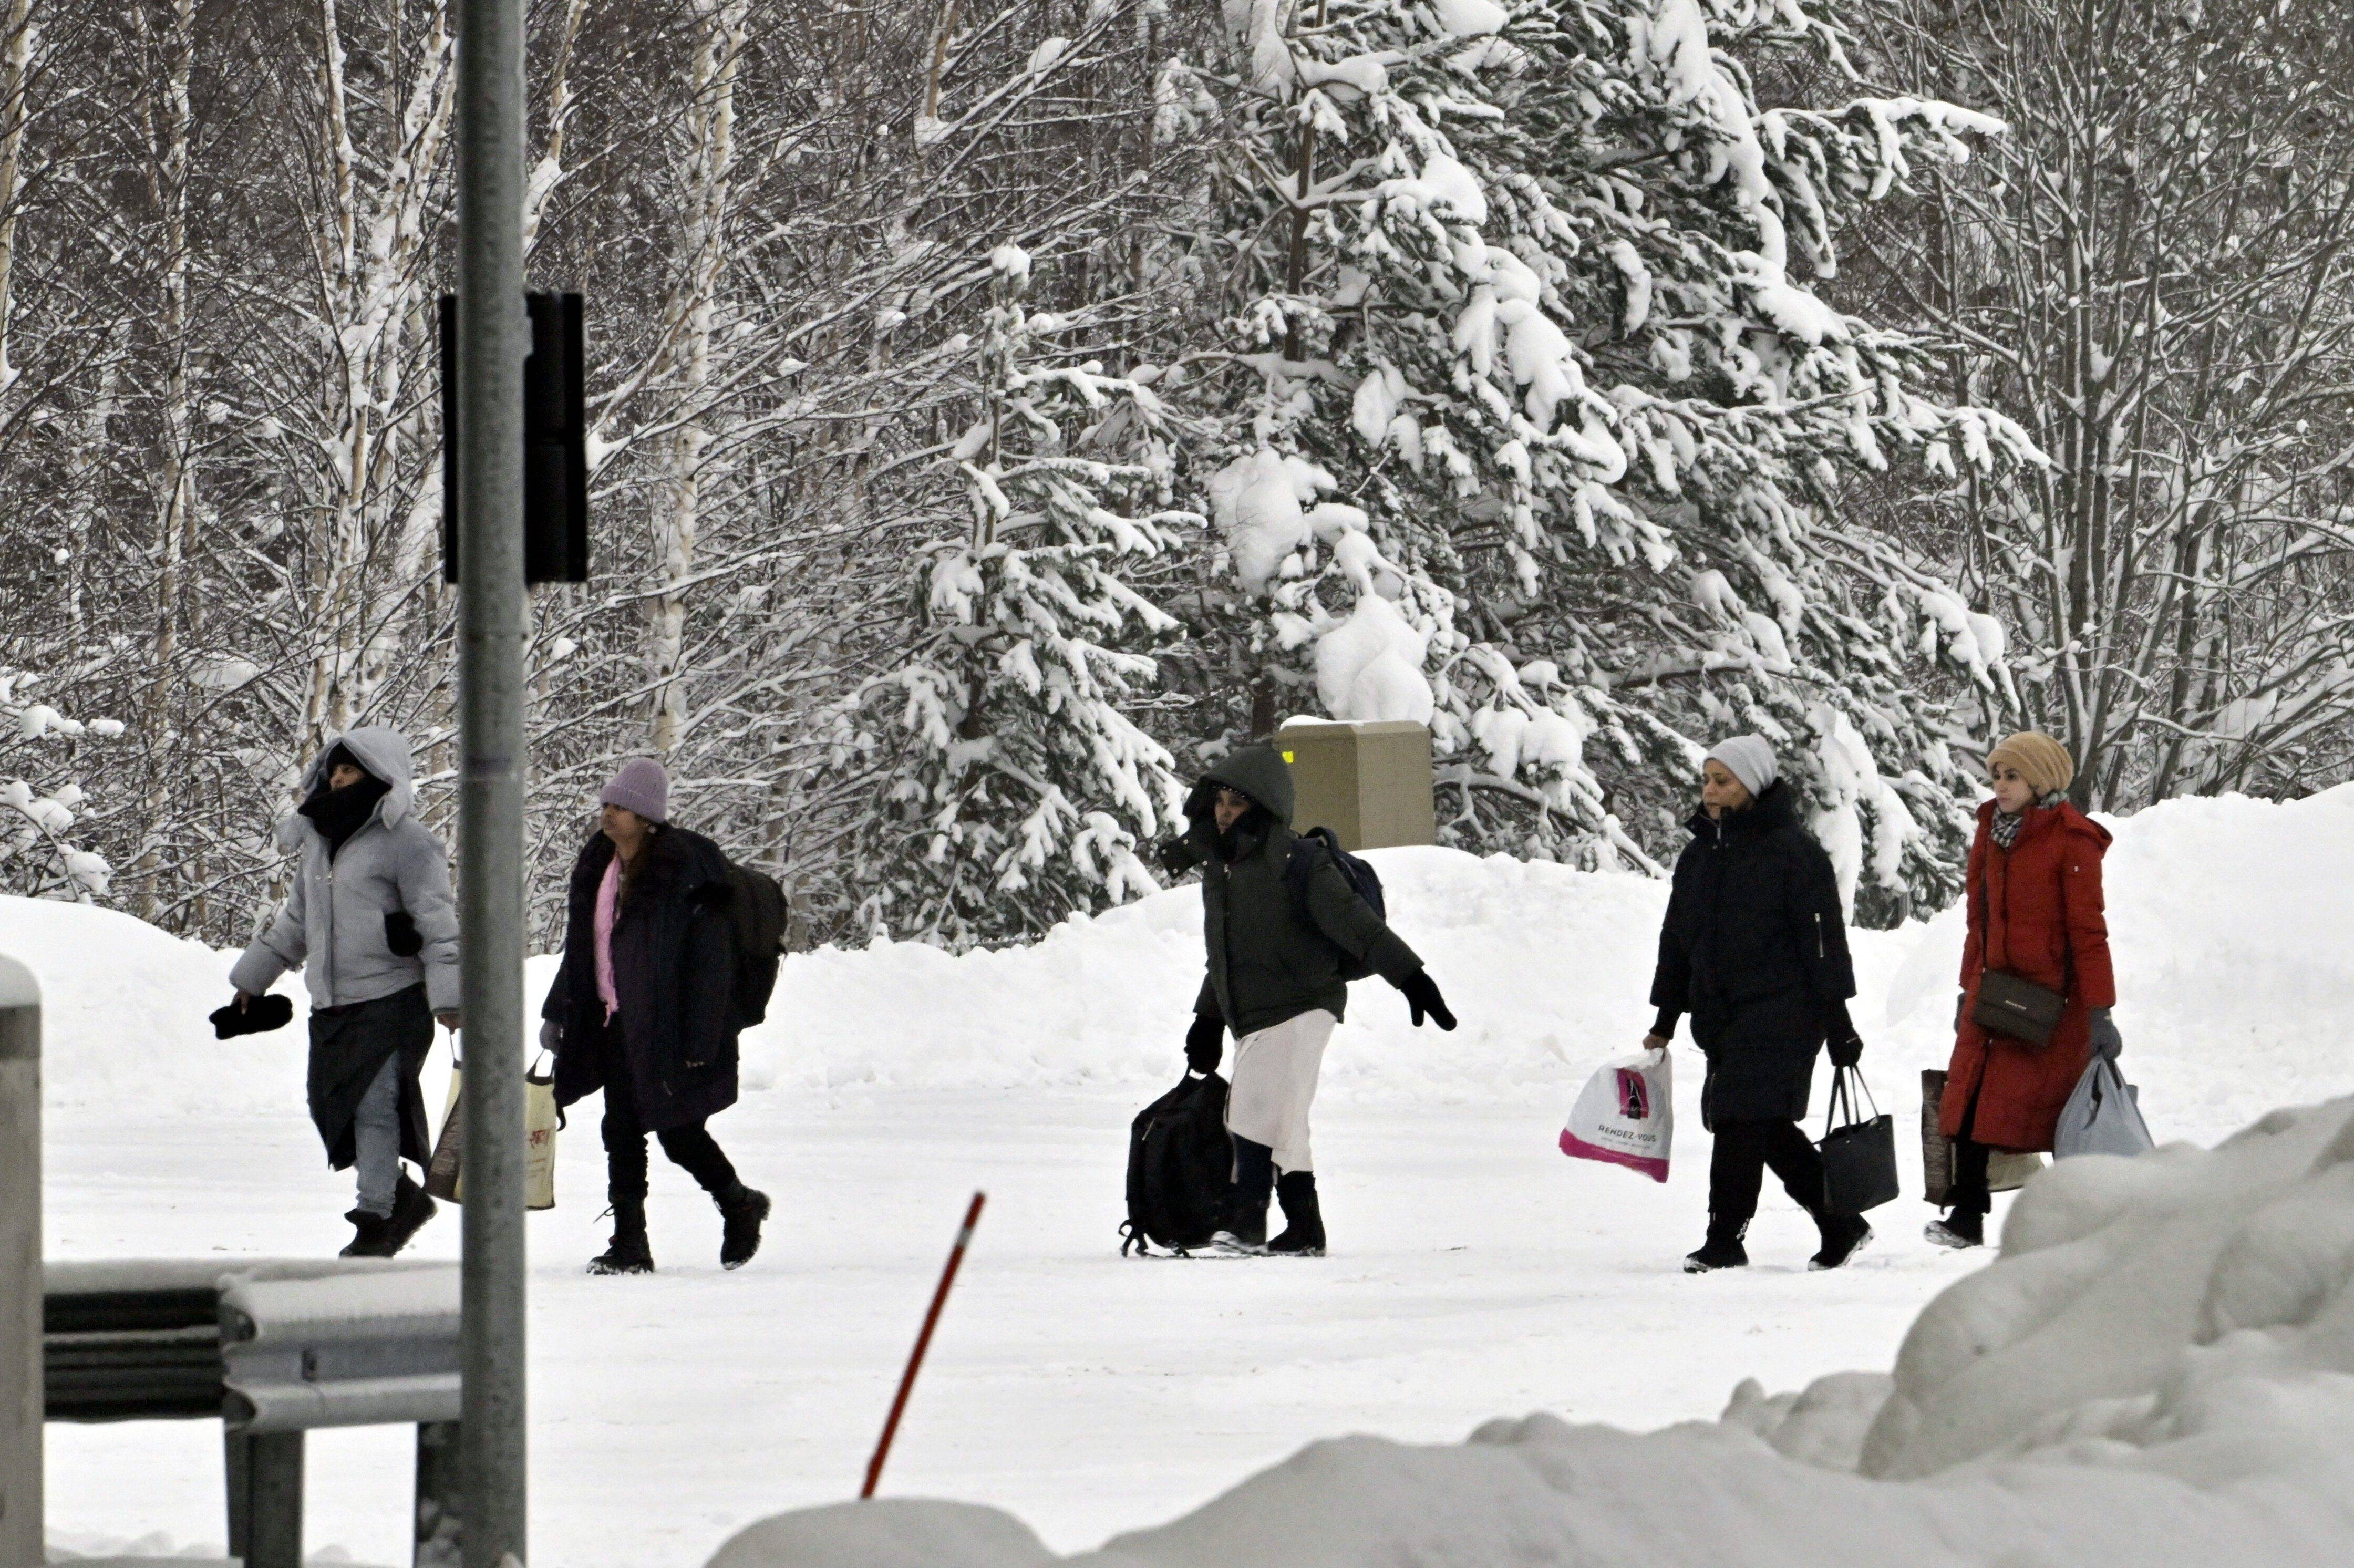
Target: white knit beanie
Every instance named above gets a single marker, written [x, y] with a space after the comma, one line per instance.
[1749, 758]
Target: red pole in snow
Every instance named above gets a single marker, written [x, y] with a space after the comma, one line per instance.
[923, 1343]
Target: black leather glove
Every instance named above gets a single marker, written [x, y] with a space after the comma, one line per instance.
[1175, 855]
[400, 934]
[260, 1016]
[1422, 996]
[1206, 1043]
[1847, 1050]
[2106, 1041]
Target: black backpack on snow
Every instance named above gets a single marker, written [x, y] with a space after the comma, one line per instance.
[1360, 875]
[1179, 1168]
[756, 922]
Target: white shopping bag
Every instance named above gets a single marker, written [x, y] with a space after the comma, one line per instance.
[1625, 1115]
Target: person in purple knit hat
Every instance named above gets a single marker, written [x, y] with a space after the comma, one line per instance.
[643, 1009]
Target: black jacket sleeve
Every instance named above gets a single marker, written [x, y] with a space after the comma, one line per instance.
[1207, 1004]
[707, 1000]
[1671, 979]
[559, 990]
[1821, 932]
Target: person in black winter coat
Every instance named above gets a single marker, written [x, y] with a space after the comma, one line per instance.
[643, 1009]
[1754, 948]
[1279, 922]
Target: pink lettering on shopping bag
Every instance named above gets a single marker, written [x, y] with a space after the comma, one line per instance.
[1626, 1116]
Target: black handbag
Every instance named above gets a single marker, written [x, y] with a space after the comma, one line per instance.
[1858, 1153]
[2017, 1008]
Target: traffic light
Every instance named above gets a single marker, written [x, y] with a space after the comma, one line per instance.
[555, 443]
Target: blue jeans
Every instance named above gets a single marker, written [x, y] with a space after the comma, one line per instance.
[376, 1134]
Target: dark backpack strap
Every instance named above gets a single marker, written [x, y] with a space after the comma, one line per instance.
[1302, 867]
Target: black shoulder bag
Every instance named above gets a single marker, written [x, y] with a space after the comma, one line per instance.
[1858, 1153]
[2017, 1008]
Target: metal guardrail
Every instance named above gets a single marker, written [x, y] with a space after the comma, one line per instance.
[274, 1348]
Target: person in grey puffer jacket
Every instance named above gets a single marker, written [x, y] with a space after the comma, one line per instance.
[372, 925]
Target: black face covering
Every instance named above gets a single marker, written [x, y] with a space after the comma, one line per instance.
[1239, 840]
[340, 814]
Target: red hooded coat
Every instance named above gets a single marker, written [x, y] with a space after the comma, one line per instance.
[2035, 912]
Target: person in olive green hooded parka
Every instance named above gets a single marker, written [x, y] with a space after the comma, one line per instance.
[1277, 934]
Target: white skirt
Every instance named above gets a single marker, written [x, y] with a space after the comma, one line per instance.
[1275, 1082]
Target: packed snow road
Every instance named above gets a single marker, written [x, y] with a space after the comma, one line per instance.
[1476, 1270]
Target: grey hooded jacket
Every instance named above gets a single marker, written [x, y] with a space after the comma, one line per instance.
[333, 925]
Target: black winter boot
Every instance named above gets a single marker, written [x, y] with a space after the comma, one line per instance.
[1722, 1250]
[1960, 1229]
[743, 1208]
[368, 1235]
[1844, 1235]
[411, 1208]
[1243, 1232]
[1303, 1234]
[629, 1253]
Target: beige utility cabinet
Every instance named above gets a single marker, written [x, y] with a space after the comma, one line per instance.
[1370, 783]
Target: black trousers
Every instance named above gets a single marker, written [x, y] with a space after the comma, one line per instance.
[1737, 1171]
[691, 1148]
[1966, 1193]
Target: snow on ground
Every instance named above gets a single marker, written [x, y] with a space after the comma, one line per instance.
[2157, 1373]
[1476, 1270]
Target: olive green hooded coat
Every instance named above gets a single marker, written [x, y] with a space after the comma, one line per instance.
[1273, 953]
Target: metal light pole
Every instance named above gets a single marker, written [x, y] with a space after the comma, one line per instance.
[22, 1545]
[492, 343]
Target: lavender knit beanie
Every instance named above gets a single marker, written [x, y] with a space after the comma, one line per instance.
[642, 787]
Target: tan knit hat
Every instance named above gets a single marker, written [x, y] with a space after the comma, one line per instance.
[2042, 761]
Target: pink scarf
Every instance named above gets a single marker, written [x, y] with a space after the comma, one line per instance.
[609, 905]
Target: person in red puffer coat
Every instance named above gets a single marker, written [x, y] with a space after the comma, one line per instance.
[2036, 912]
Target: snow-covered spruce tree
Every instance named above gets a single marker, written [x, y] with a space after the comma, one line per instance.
[39, 854]
[1020, 790]
[1532, 424]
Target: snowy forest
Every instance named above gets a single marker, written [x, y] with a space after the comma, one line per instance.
[999, 408]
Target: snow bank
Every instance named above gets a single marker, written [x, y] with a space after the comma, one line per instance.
[122, 1016]
[2159, 1370]
[1546, 966]
[2223, 914]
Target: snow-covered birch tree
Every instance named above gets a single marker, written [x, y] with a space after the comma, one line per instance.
[2155, 270]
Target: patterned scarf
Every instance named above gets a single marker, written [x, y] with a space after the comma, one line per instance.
[2007, 826]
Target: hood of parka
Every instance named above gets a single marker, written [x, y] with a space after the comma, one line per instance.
[383, 751]
[1258, 771]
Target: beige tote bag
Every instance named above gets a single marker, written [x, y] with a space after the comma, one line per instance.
[445, 1176]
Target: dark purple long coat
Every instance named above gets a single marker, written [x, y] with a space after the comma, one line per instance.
[674, 971]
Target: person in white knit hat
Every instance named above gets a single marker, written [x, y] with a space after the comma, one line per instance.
[1754, 948]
